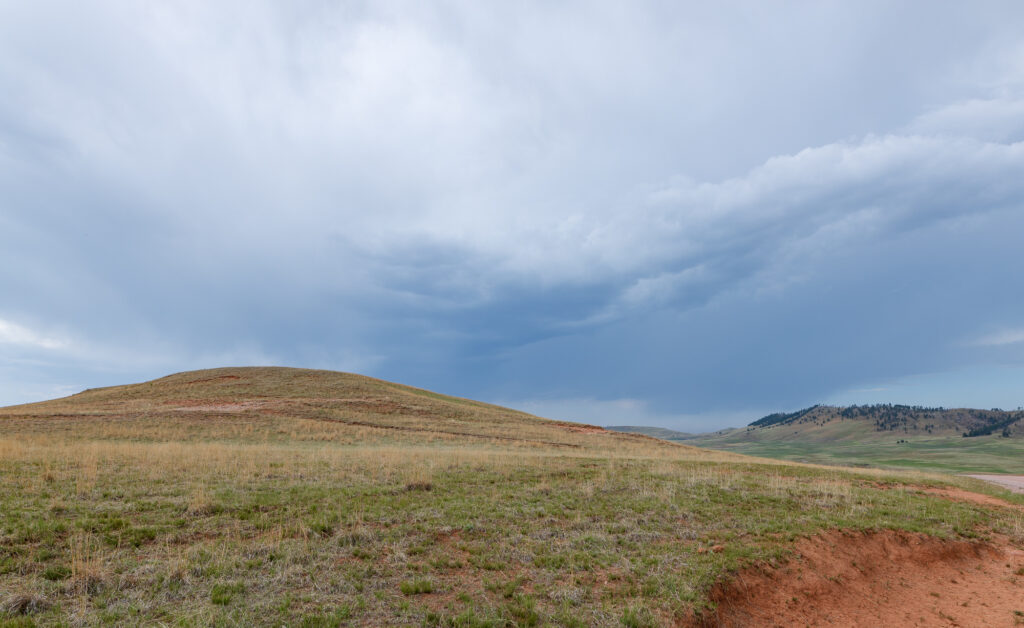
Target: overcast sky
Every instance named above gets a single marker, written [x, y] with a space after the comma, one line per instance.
[667, 213]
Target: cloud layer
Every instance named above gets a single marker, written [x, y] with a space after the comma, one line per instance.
[694, 209]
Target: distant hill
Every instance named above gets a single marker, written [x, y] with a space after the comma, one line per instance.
[967, 422]
[656, 432]
[951, 439]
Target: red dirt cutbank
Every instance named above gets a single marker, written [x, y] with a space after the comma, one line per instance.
[884, 578]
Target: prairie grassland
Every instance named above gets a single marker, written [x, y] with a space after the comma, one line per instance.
[263, 518]
[949, 454]
[859, 442]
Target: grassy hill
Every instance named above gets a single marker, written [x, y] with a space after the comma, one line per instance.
[301, 406]
[268, 496]
[954, 440]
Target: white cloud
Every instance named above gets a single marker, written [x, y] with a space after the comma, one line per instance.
[785, 214]
[14, 334]
[1001, 338]
[995, 119]
[337, 184]
[279, 128]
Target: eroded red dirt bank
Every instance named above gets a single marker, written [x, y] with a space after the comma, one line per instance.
[876, 579]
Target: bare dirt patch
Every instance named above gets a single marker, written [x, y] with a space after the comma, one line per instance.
[885, 578]
[1013, 482]
[202, 405]
[222, 378]
[587, 429]
[955, 494]
[581, 428]
[960, 495]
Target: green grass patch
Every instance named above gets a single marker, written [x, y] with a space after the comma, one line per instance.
[417, 587]
[222, 593]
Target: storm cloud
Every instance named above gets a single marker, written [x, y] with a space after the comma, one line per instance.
[682, 214]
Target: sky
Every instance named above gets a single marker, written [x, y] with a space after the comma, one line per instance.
[684, 214]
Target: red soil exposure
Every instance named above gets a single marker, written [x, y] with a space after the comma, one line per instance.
[222, 378]
[586, 429]
[203, 405]
[960, 495]
[883, 578]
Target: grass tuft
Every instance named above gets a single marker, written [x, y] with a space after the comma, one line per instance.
[57, 572]
[417, 587]
[24, 604]
[222, 593]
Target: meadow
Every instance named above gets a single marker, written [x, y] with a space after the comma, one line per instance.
[988, 454]
[856, 444]
[319, 500]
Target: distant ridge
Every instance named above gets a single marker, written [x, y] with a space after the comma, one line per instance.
[886, 435]
[969, 422]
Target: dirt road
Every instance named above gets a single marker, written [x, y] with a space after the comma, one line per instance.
[1013, 482]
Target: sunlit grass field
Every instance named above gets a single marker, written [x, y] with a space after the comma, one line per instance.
[319, 499]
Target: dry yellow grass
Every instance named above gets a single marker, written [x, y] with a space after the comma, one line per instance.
[282, 496]
[301, 406]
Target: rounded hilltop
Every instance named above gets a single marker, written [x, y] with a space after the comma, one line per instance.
[308, 404]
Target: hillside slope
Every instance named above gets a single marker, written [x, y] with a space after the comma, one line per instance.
[296, 405]
[267, 496]
[897, 419]
[957, 439]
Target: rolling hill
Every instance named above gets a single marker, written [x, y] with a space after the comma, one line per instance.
[301, 405]
[272, 496]
[947, 439]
